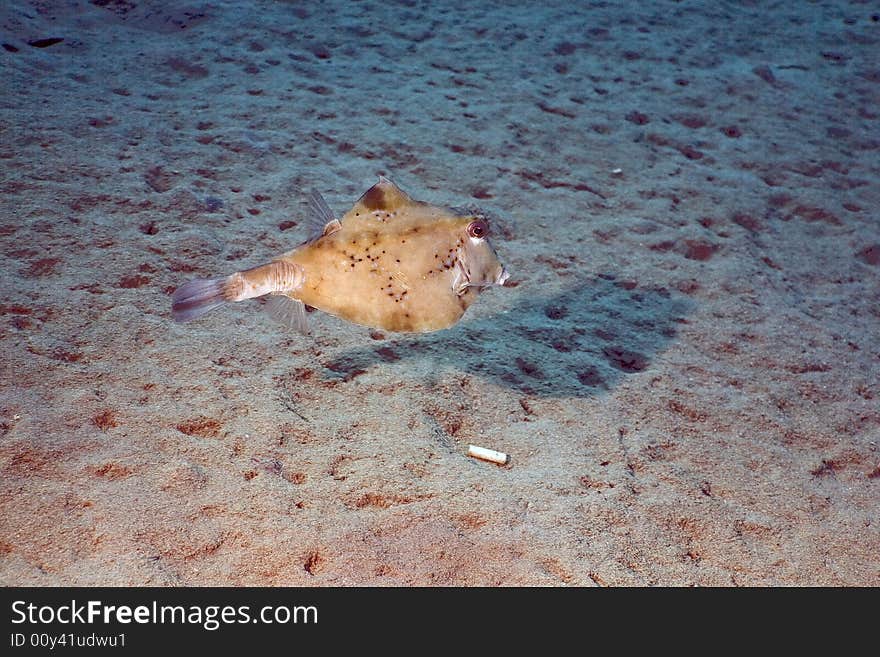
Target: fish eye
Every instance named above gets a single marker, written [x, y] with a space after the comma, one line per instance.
[478, 229]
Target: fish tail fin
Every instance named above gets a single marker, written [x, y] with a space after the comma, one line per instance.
[199, 296]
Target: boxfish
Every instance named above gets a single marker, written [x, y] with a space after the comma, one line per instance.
[389, 263]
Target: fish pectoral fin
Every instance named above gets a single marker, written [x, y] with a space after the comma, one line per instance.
[461, 280]
[321, 220]
[289, 312]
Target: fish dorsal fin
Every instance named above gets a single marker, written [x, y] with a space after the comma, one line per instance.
[383, 196]
[321, 220]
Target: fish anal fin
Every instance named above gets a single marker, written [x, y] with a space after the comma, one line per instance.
[289, 312]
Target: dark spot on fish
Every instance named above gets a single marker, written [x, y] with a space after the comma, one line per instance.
[8, 47]
[374, 198]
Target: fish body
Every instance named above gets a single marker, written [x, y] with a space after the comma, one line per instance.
[389, 263]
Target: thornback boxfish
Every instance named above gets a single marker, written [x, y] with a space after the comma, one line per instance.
[390, 263]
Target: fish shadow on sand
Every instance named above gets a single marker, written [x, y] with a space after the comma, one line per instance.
[578, 342]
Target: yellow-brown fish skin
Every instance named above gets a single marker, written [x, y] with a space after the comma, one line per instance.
[399, 281]
[390, 263]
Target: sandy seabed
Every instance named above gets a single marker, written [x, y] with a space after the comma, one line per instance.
[686, 374]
